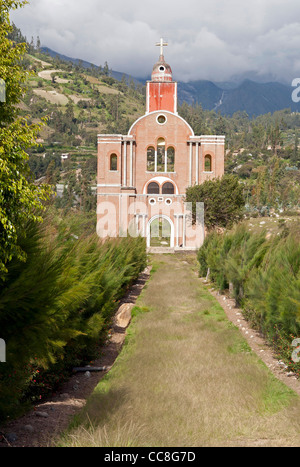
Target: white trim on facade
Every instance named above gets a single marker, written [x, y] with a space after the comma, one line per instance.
[108, 185]
[159, 112]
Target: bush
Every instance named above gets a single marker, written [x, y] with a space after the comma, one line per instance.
[265, 278]
[56, 308]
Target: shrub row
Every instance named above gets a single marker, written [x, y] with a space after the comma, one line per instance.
[56, 309]
[263, 275]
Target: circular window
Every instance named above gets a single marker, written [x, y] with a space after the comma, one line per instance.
[161, 119]
[152, 201]
[161, 68]
[168, 201]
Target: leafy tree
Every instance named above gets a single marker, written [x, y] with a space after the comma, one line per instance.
[106, 69]
[223, 201]
[19, 197]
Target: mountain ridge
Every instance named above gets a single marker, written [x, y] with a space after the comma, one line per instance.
[253, 97]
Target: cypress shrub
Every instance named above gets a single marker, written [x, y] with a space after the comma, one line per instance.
[265, 275]
[56, 308]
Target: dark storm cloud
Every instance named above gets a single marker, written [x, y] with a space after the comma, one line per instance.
[207, 40]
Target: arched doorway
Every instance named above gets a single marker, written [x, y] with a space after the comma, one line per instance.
[160, 232]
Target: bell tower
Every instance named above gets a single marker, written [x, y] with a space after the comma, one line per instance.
[161, 90]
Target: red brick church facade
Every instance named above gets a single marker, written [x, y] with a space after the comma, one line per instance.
[143, 176]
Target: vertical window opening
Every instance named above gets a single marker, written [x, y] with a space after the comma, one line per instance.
[150, 159]
[207, 163]
[161, 150]
[170, 159]
[113, 162]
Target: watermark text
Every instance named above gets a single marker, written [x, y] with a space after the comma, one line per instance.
[295, 354]
[2, 351]
[296, 92]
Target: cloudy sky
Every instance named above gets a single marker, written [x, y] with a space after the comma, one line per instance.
[208, 39]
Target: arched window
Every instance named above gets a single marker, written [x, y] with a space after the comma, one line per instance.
[161, 160]
[161, 154]
[170, 159]
[168, 188]
[150, 159]
[113, 162]
[153, 188]
[207, 163]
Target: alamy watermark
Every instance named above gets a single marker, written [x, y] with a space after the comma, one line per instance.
[2, 90]
[134, 219]
[295, 354]
[296, 92]
[2, 351]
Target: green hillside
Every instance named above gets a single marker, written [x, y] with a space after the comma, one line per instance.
[74, 104]
[79, 103]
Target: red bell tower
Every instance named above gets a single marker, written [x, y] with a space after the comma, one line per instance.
[161, 90]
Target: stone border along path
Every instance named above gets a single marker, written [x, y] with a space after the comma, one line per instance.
[47, 420]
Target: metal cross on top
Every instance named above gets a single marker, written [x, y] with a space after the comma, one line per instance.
[161, 44]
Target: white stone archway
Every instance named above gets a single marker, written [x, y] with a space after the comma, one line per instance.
[161, 180]
[158, 216]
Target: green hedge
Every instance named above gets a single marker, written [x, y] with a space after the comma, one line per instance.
[265, 278]
[56, 309]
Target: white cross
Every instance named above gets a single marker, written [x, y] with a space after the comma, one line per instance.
[161, 44]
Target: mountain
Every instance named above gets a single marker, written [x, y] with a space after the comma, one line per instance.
[253, 97]
[202, 92]
[258, 98]
[249, 96]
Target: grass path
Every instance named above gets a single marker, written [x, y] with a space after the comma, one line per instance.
[186, 377]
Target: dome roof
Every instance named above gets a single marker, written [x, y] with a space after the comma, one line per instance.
[161, 71]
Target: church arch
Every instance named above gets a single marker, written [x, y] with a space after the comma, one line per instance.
[168, 114]
[153, 188]
[160, 180]
[168, 189]
[161, 228]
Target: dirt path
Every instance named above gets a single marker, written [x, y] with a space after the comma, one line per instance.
[47, 75]
[186, 377]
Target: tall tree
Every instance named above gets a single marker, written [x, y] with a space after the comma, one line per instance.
[19, 197]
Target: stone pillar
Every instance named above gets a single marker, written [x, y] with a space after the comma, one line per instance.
[125, 164]
[197, 163]
[131, 164]
[191, 164]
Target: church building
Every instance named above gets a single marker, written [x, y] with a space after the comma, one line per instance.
[143, 176]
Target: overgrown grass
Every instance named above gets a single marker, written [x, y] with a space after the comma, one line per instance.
[185, 377]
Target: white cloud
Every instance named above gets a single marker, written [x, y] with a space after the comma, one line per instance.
[207, 40]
